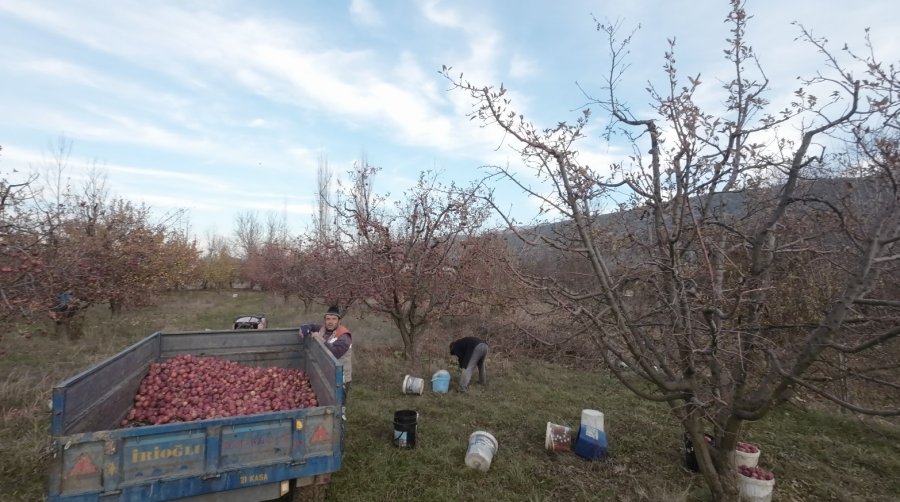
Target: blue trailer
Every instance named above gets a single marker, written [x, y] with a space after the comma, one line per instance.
[285, 454]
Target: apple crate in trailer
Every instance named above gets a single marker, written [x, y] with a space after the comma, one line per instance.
[241, 458]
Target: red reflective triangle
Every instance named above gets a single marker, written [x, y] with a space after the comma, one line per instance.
[83, 466]
[319, 435]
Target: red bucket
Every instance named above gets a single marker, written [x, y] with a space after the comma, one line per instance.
[558, 437]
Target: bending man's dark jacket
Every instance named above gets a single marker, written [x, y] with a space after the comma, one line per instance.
[463, 349]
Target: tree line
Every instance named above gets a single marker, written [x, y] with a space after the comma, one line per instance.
[417, 257]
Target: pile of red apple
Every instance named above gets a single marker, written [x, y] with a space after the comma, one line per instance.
[756, 473]
[187, 388]
[746, 448]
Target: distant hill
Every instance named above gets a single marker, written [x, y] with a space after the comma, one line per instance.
[738, 205]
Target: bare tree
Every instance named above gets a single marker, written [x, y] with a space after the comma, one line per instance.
[723, 216]
[362, 193]
[407, 261]
[56, 192]
[277, 232]
[324, 199]
[248, 233]
[20, 241]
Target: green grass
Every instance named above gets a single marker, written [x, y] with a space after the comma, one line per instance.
[515, 407]
[816, 456]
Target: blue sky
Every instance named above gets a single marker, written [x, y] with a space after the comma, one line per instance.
[222, 107]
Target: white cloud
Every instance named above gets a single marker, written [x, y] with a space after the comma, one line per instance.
[447, 17]
[194, 186]
[273, 59]
[258, 93]
[15, 157]
[164, 202]
[521, 66]
[203, 202]
[199, 182]
[365, 13]
[59, 70]
[28, 160]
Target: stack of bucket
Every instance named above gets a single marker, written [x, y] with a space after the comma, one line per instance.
[755, 490]
[591, 440]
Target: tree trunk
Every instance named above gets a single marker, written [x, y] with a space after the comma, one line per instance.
[716, 459]
[409, 346]
[845, 388]
[408, 337]
[727, 482]
[115, 307]
[719, 471]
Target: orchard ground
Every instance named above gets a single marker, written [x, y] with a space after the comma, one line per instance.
[815, 455]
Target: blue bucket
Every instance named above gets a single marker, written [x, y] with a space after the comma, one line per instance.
[591, 443]
[440, 382]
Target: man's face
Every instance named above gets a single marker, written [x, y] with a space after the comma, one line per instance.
[331, 322]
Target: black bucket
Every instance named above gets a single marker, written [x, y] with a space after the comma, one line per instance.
[405, 423]
[690, 456]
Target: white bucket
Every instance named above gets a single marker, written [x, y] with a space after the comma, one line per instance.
[413, 385]
[748, 459]
[482, 448]
[592, 419]
[755, 490]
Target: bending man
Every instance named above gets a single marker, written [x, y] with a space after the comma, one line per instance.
[471, 351]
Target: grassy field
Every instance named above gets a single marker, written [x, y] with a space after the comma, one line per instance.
[815, 456]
